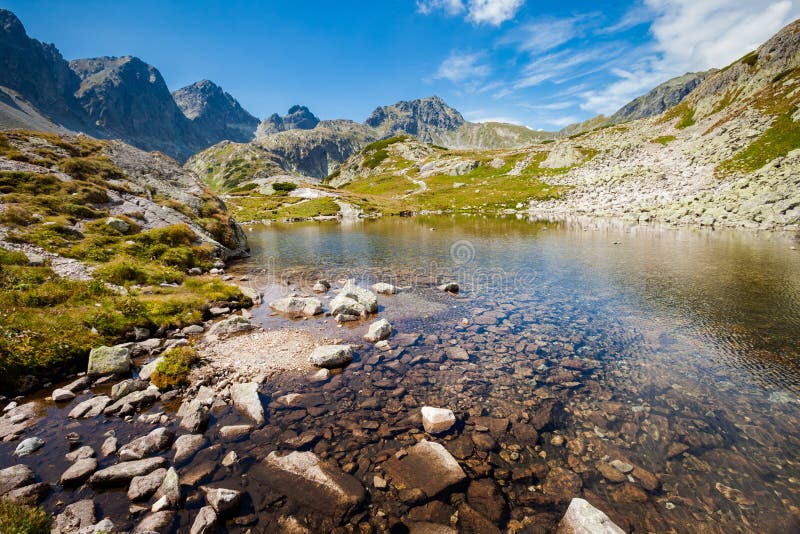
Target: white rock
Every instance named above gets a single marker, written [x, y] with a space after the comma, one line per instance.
[383, 288]
[343, 305]
[29, 446]
[437, 420]
[297, 306]
[365, 297]
[62, 395]
[378, 331]
[245, 399]
[583, 518]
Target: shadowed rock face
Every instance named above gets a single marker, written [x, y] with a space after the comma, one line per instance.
[214, 113]
[660, 99]
[297, 118]
[38, 72]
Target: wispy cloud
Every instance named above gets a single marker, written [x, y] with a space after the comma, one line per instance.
[544, 34]
[459, 68]
[493, 12]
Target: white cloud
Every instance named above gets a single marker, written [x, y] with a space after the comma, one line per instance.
[493, 12]
[459, 68]
[636, 15]
[507, 120]
[692, 35]
[450, 7]
[543, 35]
[563, 121]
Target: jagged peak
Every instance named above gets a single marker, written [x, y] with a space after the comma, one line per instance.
[11, 24]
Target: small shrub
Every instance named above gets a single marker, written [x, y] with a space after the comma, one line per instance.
[92, 168]
[174, 369]
[284, 187]
[20, 519]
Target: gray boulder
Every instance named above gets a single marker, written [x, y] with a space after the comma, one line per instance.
[205, 522]
[76, 516]
[365, 297]
[159, 522]
[379, 330]
[186, 446]
[147, 369]
[15, 477]
[79, 472]
[29, 446]
[222, 499]
[90, 407]
[142, 487]
[109, 360]
[232, 325]
[123, 472]
[157, 440]
[331, 356]
[62, 395]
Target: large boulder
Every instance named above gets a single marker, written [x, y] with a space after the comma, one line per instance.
[297, 306]
[303, 477]
[90, 407]
[114, 360]
[428, 467]
[437, 420]
[123, 472]
[342, 305]
[583, 518]
[245, 398]
[78, 472]
[332, 356]
[379, 330]
[187, 445]
[15, 477]
[232, 325]
[157, 440]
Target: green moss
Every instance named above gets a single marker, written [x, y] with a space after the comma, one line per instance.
[779, 139]
[315, 207]
[10, 257]
[664, 139]
[21, 519]
[173, 370]
[683, 112]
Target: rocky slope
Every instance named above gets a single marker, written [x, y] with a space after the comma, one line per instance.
[122, 98]
[214, 113]
[426, 119]
[654, 102]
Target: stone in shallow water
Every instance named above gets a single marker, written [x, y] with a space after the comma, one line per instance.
[185, 446]
[331, 356]
[245, 399]
[29, 446]
[142, 487]
[157, 440]
[160, 522]
[234, 432]
[90, 407]
[437, 420]
[457, 353]
[297, 306]
[15, 477]
[62, 395]
[123, 472]
[382, 288]
[205, 522]
[427, 466]
[78, 472]
[365, 297]
[303, 477]
[222, 500]
[75, 517]
[378, 331]
[583, 518]
[345, 306]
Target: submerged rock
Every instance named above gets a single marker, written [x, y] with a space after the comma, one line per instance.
[205, 522]
[302, 476]
[114, 360]
[15, 477]
[186, 446]
[245, 398]
[428, 467]
[583, 518]
[331, 356]
[75, 517]
[382, 288]
[222, 500]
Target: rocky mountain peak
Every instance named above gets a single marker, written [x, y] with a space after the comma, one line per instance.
[424, 118]
[297, 118]
[216, 113]
[11, 25]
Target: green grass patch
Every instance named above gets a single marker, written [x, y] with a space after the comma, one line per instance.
[21, 519]
[315, 207]
[664, 139]
[173, 370]
[284, 187]
[779, 139]
[683, 113]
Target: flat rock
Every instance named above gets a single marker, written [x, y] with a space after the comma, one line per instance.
[232, 325]
[79, 472]
[245, 398]
[378, 331]
[135, 399]
[222, 499]
[437, 420]
[114, 360]
[62, 395]
[157, 440]
[457, 353]
[427, 466]
[123, 472]
[79, 384]
[303, 477]
[15, 477]
[365, 297]
[583, 518]
[297, 306]
[126, 387]
[382, 288]
[205, 522]
[108, 447]
[331, 356]
[142, 487]
[76, 516]
[471, 520]
[90, 407]
[186, 446]
[234, 432]
[80, 453]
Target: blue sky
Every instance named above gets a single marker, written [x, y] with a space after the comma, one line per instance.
[542, 64]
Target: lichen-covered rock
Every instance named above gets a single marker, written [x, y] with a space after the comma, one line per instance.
[378, 331]
[331, 356]
[297, 306]
[109, 360]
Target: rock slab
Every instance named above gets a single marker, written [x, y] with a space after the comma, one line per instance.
[427, 466]
[583, 518]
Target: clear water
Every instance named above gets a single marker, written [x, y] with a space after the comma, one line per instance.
[676, 350]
